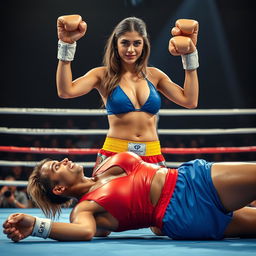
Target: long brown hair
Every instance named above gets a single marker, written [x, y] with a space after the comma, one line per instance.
[111, 58]
[39, 190]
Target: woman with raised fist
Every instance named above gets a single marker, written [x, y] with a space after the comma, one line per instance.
[128, 87]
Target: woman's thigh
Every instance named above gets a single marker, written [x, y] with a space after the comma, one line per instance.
[235, 183]
[243, 223]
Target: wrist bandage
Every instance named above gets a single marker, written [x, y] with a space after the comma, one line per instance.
[66, 52]
[190, 61]
[42, 227]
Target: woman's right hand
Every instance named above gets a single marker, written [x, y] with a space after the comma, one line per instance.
[18, 226]
[71, 28]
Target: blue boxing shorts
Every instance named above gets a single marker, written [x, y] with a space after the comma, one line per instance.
[195, 210]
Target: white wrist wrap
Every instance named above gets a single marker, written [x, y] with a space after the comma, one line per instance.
[66, 52]
[42, 228]
[190, 61]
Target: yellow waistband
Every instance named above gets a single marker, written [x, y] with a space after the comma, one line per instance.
[148, 148]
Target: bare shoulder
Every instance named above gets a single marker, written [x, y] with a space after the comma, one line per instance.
[155, 75]
[86, 206]
[98, 71]
[155, 71]
[95, 77]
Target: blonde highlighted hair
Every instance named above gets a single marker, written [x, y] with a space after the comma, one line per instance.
[111, 57]
[39, 190]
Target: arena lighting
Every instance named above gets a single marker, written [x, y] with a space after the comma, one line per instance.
[133, 2]
[214, 51]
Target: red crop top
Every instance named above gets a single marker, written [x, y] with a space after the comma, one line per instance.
[127, 198]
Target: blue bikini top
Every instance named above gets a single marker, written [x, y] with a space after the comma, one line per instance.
[119, 103]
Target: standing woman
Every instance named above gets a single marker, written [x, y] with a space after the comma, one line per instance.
[128, 87]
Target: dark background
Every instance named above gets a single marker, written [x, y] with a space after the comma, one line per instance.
[226, 72]
[29, 45]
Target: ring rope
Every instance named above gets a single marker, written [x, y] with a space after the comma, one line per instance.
[39, 131]
[32, 164]
[18, 183]
[39, 150]
[90, 151]
[97, 112]
[86, 112]
[84, 164]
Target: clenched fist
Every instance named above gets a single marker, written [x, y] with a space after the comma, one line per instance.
[184, 37]
[71, 28]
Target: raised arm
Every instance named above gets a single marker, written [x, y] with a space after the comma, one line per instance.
[183, 43]
[70, 29]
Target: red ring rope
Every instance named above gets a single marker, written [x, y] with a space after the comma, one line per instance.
[91, 151]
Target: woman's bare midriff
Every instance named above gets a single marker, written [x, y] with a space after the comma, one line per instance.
[157, 185]
[134, 126]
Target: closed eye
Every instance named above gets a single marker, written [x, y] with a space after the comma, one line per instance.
[56, 166]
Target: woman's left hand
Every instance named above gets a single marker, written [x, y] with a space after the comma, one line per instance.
[184, 38]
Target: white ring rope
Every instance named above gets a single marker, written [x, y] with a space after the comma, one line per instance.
[24, 183]
[33, 163]
[99, 112]
[39, 131]
[84, 164]
[17, 183]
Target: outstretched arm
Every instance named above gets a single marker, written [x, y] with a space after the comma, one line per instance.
[19, 226]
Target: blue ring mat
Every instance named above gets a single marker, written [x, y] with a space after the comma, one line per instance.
[129, 243]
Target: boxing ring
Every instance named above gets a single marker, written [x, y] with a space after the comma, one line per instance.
[141, 242]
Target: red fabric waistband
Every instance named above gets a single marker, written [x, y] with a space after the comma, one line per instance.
[165, 197]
